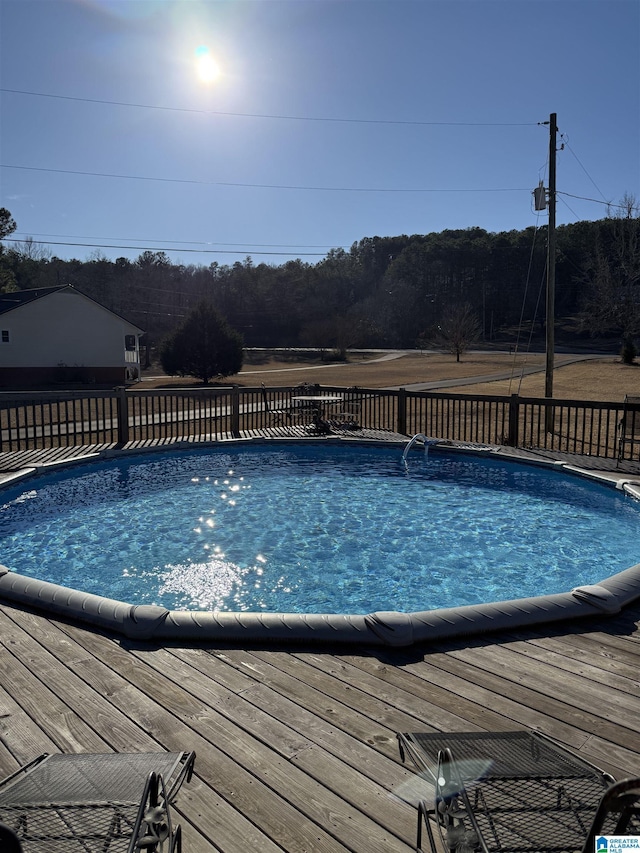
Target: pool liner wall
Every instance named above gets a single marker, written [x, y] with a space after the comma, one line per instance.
[385, 628]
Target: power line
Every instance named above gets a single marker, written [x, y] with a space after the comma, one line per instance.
[594, 200]
[566, 144]
[566, 204]
[264, 186]
[166, 249]
[273, 116]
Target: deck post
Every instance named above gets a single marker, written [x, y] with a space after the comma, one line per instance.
[514, 415]
[402, 411]
[123, 415]
[235, 411]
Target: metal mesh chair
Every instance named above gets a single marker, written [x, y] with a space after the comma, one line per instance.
[629, 426]
[514, 792]
[277, 415]
[618, 813]
[113, 803]
[9, 842]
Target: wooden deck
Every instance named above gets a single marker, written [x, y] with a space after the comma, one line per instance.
[296, 747]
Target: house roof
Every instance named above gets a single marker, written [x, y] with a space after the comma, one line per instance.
[10, 301]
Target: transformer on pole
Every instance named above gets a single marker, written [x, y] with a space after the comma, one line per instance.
[540, 197]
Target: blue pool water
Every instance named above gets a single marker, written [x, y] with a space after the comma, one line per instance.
[315, 529]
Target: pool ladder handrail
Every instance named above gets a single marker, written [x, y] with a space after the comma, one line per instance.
[419, 436]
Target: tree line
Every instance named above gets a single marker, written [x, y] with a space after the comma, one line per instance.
[397, 291]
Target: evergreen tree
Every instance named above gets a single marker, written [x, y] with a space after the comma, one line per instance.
[7, 223]
[204, 346]
[7, 277]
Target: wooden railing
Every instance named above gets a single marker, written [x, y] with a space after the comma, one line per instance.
[570, 426]
[31, 421]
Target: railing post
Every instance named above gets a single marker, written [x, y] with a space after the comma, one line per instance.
[123, 415]
[235, 411]
[514, 417]
[402, 411]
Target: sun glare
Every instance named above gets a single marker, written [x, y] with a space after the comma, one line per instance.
[207, 68]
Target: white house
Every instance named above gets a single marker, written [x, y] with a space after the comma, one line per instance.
[57, 335]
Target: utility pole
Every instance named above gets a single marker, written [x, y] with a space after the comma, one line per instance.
[551, 265]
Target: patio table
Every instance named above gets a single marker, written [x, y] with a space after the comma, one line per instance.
[505, 791]
[315, 404]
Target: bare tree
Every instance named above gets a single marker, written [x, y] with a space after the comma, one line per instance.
[628, 208]
[458, 328]
[32, 251]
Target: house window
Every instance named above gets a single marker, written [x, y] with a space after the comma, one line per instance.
[4, 334]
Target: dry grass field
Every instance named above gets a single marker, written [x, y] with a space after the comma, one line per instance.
[602, 378]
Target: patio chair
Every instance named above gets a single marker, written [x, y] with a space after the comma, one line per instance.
[348, 415]
[107, 803]
[618, 813]
[629, 426]
[9, 842]
[278, 416]
[515, 791]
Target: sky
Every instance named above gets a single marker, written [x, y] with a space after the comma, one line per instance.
[217, 129]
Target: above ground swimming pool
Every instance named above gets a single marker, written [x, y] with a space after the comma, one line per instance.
[316, 528]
